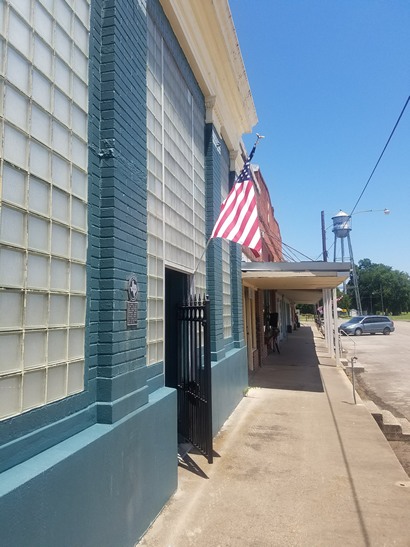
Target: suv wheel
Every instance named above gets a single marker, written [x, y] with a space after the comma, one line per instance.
[358, 332]
[386, 330]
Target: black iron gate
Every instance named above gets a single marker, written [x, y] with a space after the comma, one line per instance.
[194, 375]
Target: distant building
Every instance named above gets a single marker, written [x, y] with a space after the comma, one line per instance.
[271, 236]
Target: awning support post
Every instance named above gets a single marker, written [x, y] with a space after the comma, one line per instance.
[335, 328]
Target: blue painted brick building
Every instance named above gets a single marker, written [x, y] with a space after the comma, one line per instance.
[121, 134]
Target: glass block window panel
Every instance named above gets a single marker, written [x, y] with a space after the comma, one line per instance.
[12, 226]
[79, 183]
[60, 240]
[80, 93]
[62, 75]
[57, 345]
[58, 310]
[61, 139]
[75, 377]
[60, 169]
[176, 186]
[38, 234]
[10, 359]
[78, 246]
[79, 151]
[40, 125]
[63, 44]
[10, 396]
[80, 35]
[34, 389]
[37, 271]
[39, 196]
[11, 309]
[19, 33]
[43, 201]
[40, 160]
[14, 186]
[36, 310]
[78, 214]
[18, 69]
[48, 4]
[41, 90]
[23, 8]
[78, 278]
[43, 23]
[77, 310]
[15, 147]
[43, 57]
[63, 14]
[16, 107]
[59, 275]
[226, 287]
[56, 383]
[76, 343]
[62, 107]
[1, 44]
[226, 264]
[80, 63]
[34, 348]
[82, 11]
[12, 271]
[79, 122]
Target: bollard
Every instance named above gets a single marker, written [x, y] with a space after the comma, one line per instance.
[353, 359]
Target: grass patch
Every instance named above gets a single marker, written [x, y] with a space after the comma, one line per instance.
[401, 317]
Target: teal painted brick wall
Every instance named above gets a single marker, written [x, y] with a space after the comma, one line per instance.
[214, 253]
[101, 487]
[119, 211]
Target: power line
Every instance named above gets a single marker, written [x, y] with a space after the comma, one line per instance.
[381, 155]
[289, 248]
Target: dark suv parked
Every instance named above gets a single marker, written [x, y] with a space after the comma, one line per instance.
[371, 324]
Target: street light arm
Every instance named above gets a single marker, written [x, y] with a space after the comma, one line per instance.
[385, 211]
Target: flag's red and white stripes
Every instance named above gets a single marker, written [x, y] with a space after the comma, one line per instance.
[238, 220]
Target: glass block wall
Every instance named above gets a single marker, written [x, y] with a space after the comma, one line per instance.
[176, 187]
[43, 200]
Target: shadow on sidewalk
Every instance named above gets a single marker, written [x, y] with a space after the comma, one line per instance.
[295, 368]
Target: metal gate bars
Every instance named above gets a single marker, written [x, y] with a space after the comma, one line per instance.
[194, 375]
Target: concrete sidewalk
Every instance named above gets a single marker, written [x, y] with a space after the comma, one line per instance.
[297, 464]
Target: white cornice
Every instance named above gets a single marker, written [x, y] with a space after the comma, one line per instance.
[206, 34]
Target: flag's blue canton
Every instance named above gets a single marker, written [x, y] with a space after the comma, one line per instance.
[245, 174]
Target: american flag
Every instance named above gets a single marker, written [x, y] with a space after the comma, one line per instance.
[238, 219]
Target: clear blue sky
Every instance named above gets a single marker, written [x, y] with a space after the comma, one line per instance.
[329, 80]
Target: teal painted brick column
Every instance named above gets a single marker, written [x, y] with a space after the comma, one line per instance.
[214, 254]
[118, 208]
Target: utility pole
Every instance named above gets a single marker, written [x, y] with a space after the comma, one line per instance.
[324, 237]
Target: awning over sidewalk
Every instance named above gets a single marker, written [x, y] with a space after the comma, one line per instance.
[300, 282]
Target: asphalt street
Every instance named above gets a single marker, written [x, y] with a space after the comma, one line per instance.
[386, 360]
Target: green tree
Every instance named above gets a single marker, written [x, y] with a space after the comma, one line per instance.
[306, 309]
[382, 289]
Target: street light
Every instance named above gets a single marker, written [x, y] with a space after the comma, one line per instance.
[385, 211]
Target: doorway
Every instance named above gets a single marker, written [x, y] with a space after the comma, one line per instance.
[176, 292]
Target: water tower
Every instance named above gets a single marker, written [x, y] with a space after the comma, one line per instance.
[342, 229]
